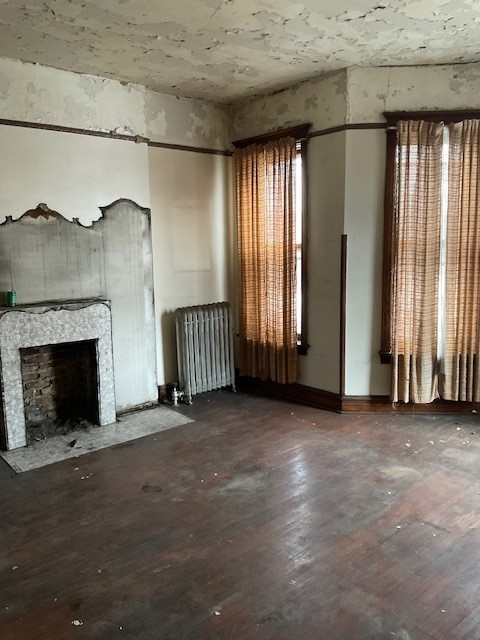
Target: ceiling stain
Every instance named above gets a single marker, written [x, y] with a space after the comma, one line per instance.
[228, 50]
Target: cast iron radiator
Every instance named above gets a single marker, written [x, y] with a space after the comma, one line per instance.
[205, 348]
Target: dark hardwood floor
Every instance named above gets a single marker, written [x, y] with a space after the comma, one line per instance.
[261, 520]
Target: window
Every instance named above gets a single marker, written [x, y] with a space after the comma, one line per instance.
[272, 238]
[301, 206]
[431, 288]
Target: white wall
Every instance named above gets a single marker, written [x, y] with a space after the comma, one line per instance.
[72, 174]
[320, 368]
[364, 185]
[190, 232]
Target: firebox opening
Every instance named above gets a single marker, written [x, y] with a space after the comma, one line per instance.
[60, 387]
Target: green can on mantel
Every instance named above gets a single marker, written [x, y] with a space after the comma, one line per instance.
[11, 298]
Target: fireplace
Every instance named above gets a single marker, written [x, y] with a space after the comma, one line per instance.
[55, 362]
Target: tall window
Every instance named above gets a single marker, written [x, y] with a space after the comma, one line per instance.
[432, 260]
[301, 216]
[271, 234]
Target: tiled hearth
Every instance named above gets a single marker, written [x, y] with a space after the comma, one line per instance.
[51, 324]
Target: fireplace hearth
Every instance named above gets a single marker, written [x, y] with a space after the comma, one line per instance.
[56, 365]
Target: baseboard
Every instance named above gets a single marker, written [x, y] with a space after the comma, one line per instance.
[383, 404]
[162, 393]
[136, 407]
[320, 399]
[299, 393]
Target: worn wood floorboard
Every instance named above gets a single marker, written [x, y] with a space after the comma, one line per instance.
[289, 522]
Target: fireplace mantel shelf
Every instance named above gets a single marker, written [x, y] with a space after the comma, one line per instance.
[54, 305]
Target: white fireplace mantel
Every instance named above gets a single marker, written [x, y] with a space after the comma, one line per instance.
[45, 324]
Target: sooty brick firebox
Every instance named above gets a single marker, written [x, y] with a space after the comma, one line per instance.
[59, 386]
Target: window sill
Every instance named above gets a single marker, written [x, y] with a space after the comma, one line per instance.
[302, 348]
[385, 357]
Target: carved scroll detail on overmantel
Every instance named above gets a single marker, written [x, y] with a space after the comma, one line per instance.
[41, 211]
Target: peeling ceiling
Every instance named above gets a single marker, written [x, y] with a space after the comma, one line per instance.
[224, 50]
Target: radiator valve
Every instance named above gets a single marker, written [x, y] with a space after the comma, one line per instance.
[176, 395]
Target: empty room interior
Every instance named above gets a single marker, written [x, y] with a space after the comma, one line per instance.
[239, 320]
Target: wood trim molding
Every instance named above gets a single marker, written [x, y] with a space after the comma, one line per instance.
[162, 393]
[183, 147]
[388, 227]
[137, 407]
[297, 393]
[438, 115]
[299, 132]
[348, 127]
[62, 129]
[112, 135]
[180, 147]
[343, 312]
[303, 346]
[328, 401]
[383, 404]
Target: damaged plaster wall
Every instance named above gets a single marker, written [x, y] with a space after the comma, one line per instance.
[321, 101]
[371, 91]
[72, 174]
[33, 93]
[184, 121]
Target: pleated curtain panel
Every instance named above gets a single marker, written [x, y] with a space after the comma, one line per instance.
[265, 198]
[436, 263]
[462, 319]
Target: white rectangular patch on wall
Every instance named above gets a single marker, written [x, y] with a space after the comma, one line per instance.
[192, 246]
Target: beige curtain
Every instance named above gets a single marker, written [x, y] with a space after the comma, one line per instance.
[416, 251]
[265, 181]
[462, 322]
